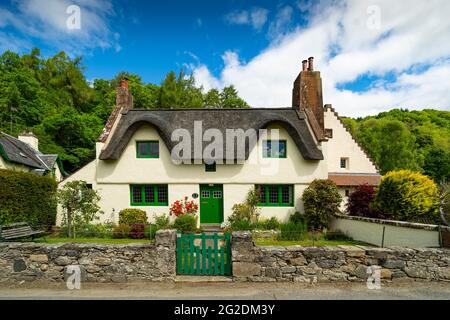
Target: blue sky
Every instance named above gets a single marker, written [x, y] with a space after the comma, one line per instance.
[373, 55]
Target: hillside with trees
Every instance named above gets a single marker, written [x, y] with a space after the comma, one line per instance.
[402, 139]
[52, 98]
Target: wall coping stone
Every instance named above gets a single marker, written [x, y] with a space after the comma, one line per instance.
[395, 223]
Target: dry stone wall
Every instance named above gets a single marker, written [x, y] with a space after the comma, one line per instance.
[97, 262]
[339, 263]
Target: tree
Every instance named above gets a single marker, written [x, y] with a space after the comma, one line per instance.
[79, 204]
[407, 196]
[360, 200]
[321, 199]
[390, 144]
[229, 99]
[444, 202]
[212, 99]
[437, 164]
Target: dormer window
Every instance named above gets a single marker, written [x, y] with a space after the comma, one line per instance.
[344, 163]
[147, 149]
[274, 149]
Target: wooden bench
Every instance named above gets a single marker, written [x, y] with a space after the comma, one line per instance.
[18, 230]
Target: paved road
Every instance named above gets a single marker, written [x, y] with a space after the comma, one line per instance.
[223, 291]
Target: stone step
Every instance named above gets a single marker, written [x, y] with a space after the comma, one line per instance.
[211, 227]
[199, 279]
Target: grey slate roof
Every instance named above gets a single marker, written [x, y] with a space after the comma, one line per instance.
[14, 150]
[167, 120]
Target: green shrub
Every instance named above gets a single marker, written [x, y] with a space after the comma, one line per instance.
[186, 223]
[292, 231]
[150, 231]
[91, 230]
[321, 200]
[131, 216]
[297, 218]
[161, 221]
[247, 211]
[407, 196]
[122, 231]
[242, 225]
[27, 197]
[268, 224]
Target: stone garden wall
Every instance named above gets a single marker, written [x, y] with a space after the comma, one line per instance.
[97, 262]
[340, 263]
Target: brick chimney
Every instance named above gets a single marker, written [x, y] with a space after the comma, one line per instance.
[124, 101]
[123, 97]
[307, 97]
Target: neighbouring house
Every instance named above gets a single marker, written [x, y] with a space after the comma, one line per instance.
[139, 164]
[22, 154]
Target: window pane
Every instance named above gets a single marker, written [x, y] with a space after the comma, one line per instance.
[143, 148]
[162, 194]
[266, 149]
[154, 149]
[343, 163]
[274, 149]
[217, 194]
[286, 194]
[282, 149]
[149, 194]
[273, 194]
[136, 194]
[205, 194]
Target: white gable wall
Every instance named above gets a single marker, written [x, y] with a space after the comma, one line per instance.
[342, 145]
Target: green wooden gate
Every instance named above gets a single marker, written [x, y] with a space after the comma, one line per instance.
[204, 254]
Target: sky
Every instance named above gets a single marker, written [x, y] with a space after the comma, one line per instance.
[373, 55]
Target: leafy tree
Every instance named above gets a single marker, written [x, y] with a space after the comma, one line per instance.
[321, 199]
[360, 200]
[407, 196]
[444, 202]
[212, 99]
[79, 204]
[437, 164]
[229, 99]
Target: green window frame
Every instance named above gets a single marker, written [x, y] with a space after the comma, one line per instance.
[149, 195]
[276, 195]
[268, 151]
[147, 149]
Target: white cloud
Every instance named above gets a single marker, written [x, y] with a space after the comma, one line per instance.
[345, 48]
[47, 21]
[256, 17]
[281, 25]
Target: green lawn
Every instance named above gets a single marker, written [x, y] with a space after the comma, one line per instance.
[305, 243]
[91, 240]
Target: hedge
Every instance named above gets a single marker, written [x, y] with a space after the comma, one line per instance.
[27, 197]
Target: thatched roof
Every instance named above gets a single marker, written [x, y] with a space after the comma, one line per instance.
[168, 120]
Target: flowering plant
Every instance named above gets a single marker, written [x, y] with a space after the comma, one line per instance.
[183, 207]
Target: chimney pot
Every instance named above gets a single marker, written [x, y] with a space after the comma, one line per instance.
[311, 63]
[304, 65]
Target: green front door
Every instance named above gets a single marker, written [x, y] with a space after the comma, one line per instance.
[211, 203]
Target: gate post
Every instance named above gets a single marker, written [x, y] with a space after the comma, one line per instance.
[165, 242]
